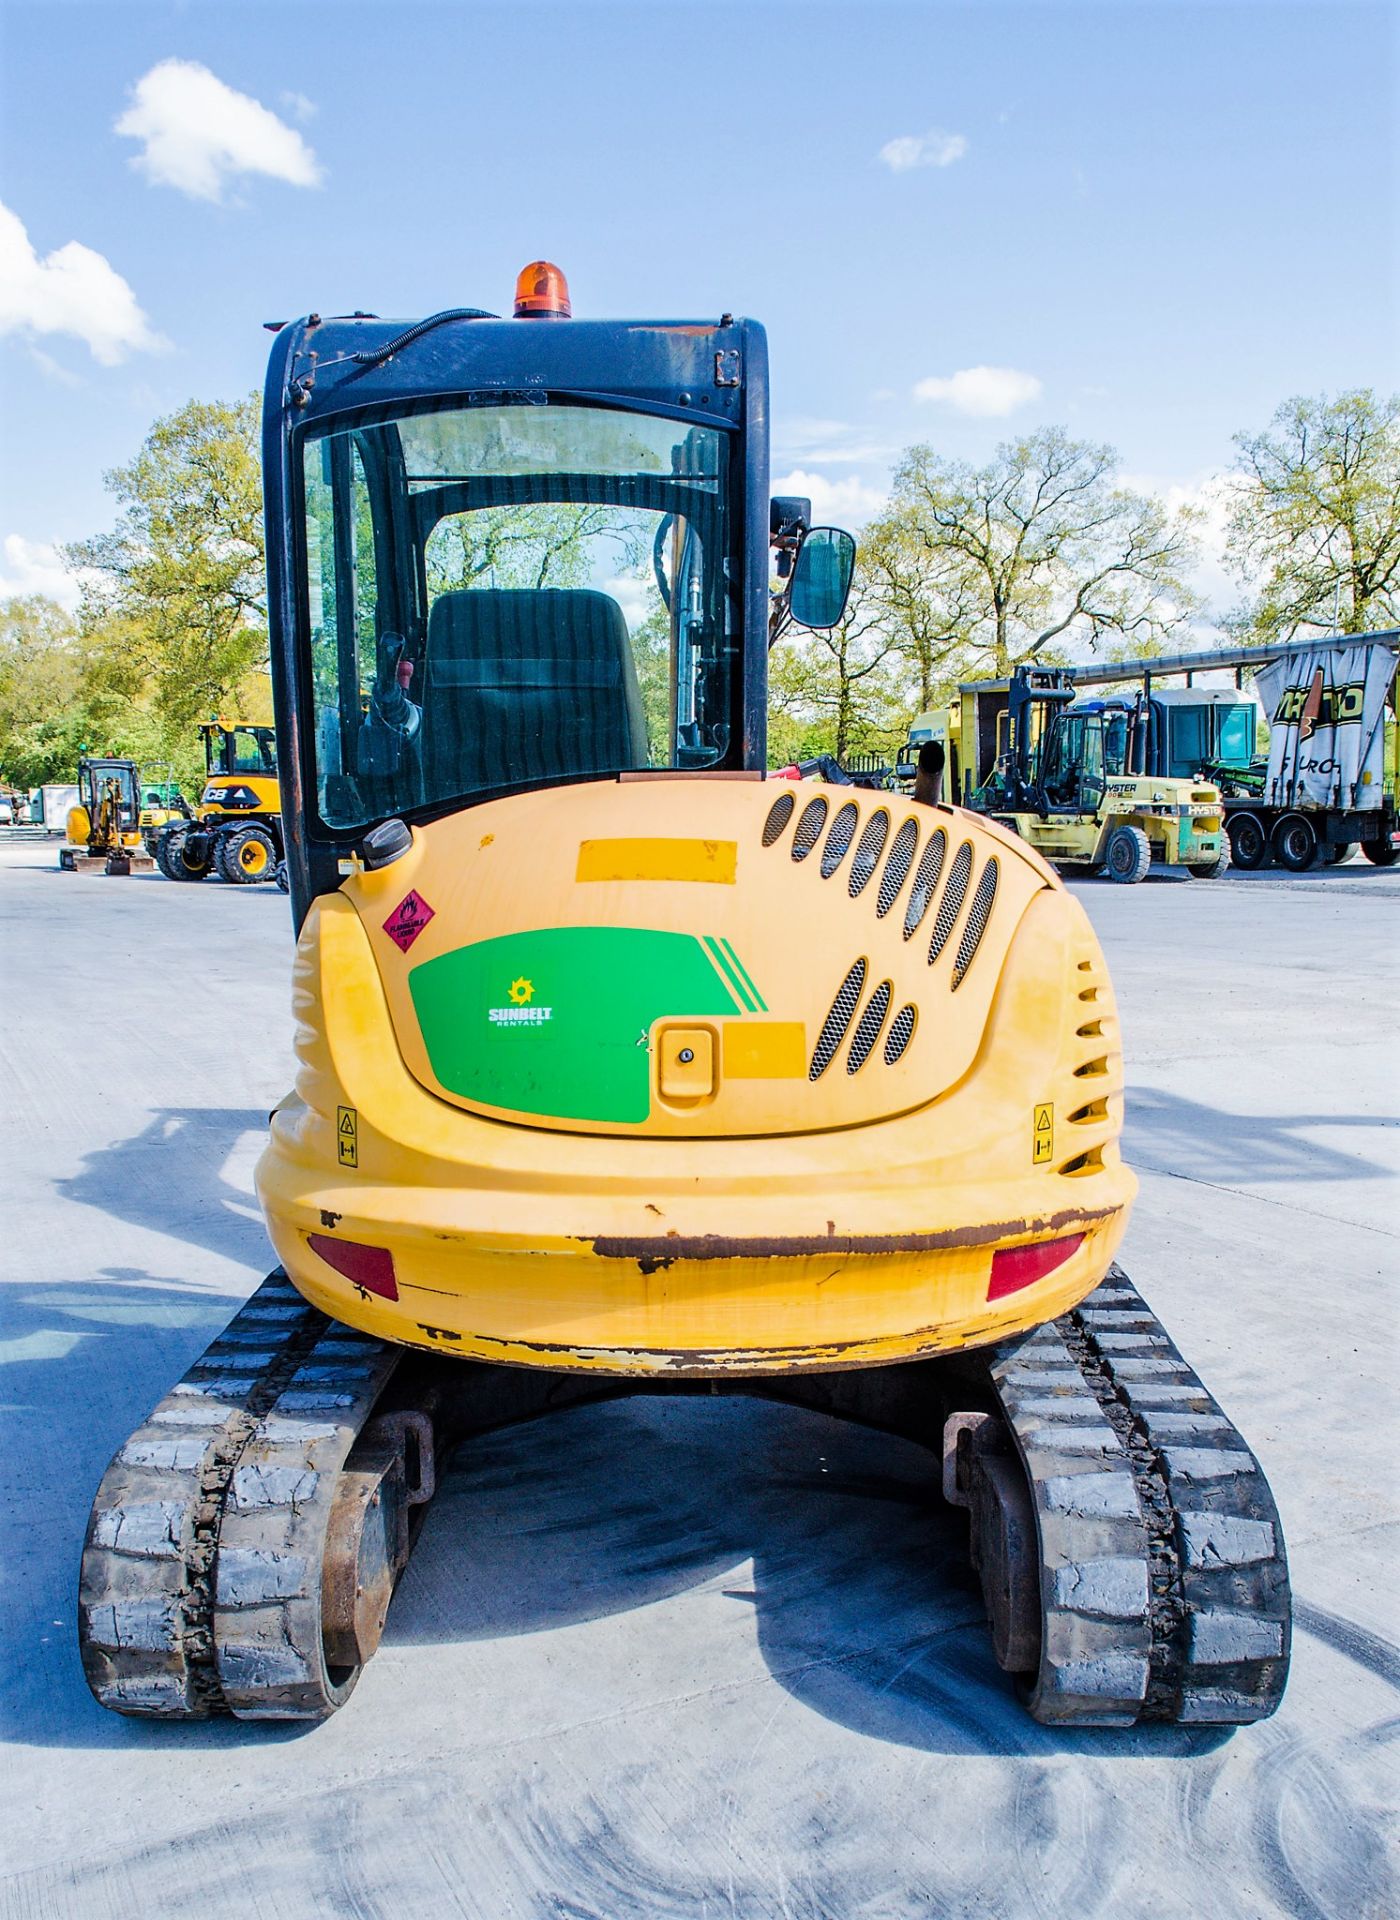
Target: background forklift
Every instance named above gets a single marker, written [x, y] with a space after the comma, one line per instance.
[1328, 779]
[236, 831]
[103, 831]
[1070, 777]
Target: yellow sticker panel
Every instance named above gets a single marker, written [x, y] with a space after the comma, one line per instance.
[1043, 1133]
[347, 1136]
[708, 860]
[765, 1050]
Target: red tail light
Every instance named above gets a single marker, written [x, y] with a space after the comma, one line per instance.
[371, 1268]
[1017, 1267]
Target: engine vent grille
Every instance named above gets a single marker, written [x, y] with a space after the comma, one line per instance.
[868, 851]
[809, 829]
[778, 816]
[950, 906]
[900, 1034]
[868, 1026]
[979, 913]
[834, 1028]
[897, 866]
[925, 883]
[843, 831]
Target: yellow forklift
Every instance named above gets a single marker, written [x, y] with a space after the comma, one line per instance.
[1070, 777]
[236, 830]
[622, 1068]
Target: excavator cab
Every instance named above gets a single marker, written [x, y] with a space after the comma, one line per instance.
[622, 1068]
[551, 568]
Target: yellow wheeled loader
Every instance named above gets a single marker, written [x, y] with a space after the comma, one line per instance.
[236, 830]
[622, 1068]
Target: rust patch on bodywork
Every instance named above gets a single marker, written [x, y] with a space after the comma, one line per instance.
[657, 1364]
[655, 1251]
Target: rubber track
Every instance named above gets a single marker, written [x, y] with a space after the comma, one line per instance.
[1164, 1581]
[200, 1585]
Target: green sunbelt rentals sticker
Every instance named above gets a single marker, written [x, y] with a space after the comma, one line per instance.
[556, 1022]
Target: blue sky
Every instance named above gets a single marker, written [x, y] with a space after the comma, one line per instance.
[1151, 222]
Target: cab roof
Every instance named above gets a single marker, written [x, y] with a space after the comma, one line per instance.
[695, 368]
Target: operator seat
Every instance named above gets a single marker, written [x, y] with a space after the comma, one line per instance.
[528, 685]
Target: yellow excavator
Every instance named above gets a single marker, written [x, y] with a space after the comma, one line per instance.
[103, 831]
[623, 1068]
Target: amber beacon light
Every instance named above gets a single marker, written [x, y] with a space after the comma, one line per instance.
[541, 293]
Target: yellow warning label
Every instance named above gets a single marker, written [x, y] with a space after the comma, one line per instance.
[347, 1136]
[1042, 1134]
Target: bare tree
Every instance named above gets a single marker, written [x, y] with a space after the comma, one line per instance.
[1315, 517]
[1040, 547]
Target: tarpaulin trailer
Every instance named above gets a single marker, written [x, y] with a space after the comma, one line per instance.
[1328, 782]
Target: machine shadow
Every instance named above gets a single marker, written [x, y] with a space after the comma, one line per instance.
[1209, 1143]
[167, 1177]
[81, 1363]
[831, 1537]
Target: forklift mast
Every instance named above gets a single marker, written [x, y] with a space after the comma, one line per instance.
[1036, 700]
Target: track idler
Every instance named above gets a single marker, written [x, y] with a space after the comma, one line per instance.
[982, 1473]
[390, 1473]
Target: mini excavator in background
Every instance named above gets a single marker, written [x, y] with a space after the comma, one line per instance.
[622, 1068]
[102, 833]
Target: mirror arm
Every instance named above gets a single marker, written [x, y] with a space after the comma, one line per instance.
[779, 615]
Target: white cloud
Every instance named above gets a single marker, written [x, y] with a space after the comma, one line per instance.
[988, 393]
[51, 369]
[816, 443]
[838, 503]
[71, 290]
[32, 566]
[931, 149]
[297, 105]
[196, 133]
[637, 598]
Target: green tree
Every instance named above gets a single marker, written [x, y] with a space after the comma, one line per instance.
[1041, 548]
[927, 601]
[1315, 517]
[839, 692]
[42, 717]
[175, 594]
[60, 697]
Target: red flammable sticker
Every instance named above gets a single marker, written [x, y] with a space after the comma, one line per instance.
[408, 920]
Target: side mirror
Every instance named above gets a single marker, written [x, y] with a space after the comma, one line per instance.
[821, 577]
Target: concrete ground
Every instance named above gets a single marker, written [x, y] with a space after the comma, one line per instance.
[704, 1658]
